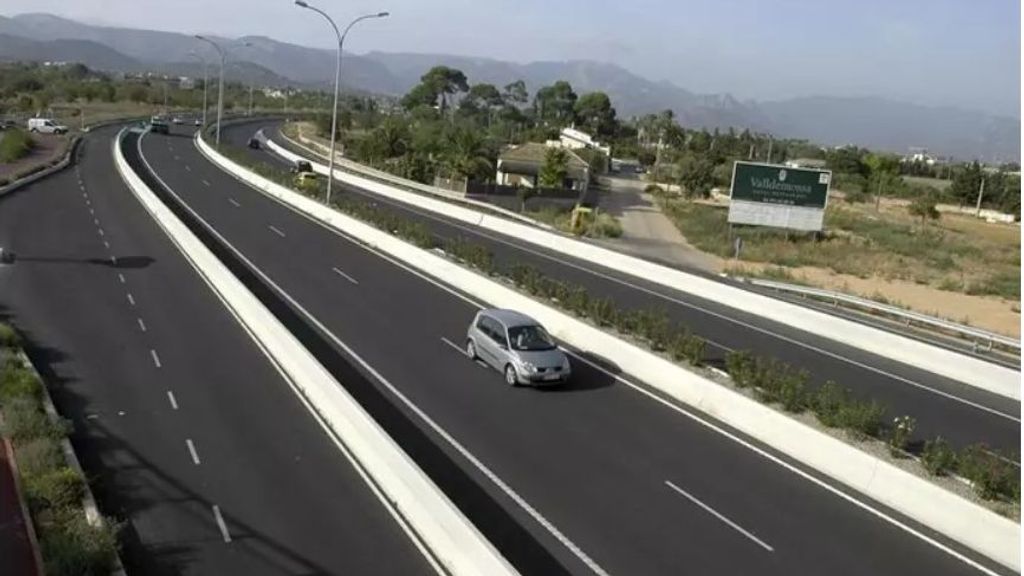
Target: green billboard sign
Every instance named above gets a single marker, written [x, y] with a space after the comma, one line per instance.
[778, 196]
[772, 184]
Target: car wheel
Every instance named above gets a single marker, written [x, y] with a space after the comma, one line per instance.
[471, 350]
[510, 376]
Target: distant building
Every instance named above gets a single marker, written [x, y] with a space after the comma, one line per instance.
[574, 139]
[186, 83]
[920, 155]
[806, 163]
[521, 165]
[274, 93]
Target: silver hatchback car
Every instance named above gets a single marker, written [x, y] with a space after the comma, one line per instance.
[518, 346]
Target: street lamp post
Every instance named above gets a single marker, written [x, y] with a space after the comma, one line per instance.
[220, 88]
[337, 77]
[206, 81]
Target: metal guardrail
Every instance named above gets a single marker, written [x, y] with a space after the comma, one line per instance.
[908, 316]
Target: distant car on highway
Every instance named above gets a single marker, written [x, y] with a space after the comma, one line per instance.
[301, 166]
[197, 122]
[254, 143]
[158, 125]
[46, 126]
[518, 346]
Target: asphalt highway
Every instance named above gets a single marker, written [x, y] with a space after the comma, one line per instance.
[190, 437]
[608, 479]
[960, 413]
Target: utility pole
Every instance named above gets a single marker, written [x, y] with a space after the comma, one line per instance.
[770, 142]
[981, 193]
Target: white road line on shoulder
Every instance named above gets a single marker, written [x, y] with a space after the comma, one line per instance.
[698, 418]
[192, 451]
[458, 348]
[720, 516]
[172, 400]
[234, 203]
[276, 231]
[156, 358]
[142, 325]
[120, 277]
[220, 524]
[131, 299]
[345, 276]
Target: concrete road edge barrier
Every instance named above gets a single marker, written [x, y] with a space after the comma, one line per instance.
[969, 370]
[452, 540]
[930, 505]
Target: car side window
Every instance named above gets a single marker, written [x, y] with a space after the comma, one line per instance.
[498, 333]
[484, 326]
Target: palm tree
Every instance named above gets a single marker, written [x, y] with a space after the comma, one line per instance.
[465, 154]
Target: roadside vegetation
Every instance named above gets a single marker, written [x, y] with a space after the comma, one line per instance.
[70, 545]
[769, 380]
[14, 145]
[594, 225]
[947, 253]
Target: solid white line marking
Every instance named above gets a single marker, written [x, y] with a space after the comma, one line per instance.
[131, 299]
[671, 405]
[192, 451]
[721, 517]
[234, 203]
[220, 523]
[276, 231]
[205, 182]
[454, 345]
[156, 359]
[345, 276]
[120, 277]
[172, 399]
[142, 325]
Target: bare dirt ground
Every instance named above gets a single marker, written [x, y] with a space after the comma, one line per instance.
[48, 147]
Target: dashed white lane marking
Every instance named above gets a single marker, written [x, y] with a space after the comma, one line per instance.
[220, 524]
[106, 245]
[96, 221]
[205, 182]
[100, 230]
[131, 299]
[176, 157]
[234, 203]
[345, 276]
[457, 348]
[276, 231]
[172, 400]
[142, 325]
[156, 358]
[120, 277]
[187, 169]
[716, 514]
[92, 212]
[192, 451]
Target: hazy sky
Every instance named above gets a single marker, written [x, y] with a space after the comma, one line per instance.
[957, 52]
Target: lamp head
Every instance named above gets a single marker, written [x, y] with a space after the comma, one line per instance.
[302, 3]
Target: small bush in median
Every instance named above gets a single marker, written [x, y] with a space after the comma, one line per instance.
[60, 489]
[938, 458]
[38, 456]
[75, 548]
[828, 404]
[862, 418]
[902, 428]
[8, 337]
[991, 475]
[17, 382]
[24, 420]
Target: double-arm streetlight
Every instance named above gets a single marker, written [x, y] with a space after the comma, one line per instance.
[337, 77]
[206, 77]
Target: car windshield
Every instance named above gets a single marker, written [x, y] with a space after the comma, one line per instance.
[530, 338]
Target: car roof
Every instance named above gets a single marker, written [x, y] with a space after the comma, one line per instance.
[510, 318]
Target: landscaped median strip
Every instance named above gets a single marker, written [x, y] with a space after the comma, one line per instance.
[451, 543]
[74, 539]
[978, 373]
[935, 507]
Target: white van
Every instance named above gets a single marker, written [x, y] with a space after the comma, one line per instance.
[45, 126]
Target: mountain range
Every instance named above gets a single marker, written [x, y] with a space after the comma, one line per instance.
[873, 122]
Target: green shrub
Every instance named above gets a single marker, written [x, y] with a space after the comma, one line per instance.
[828, 403]
[740, 365]
[23, 420]
[689, 347]
[17, 382]
[654, 189]
[991, 475]
[38, 456]
[58, 489]
[938, 458]
[863, 419]
[899, 435]
[15, 144]
[75, 548]
[792, 392]
[8, 337]
[602, 311]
